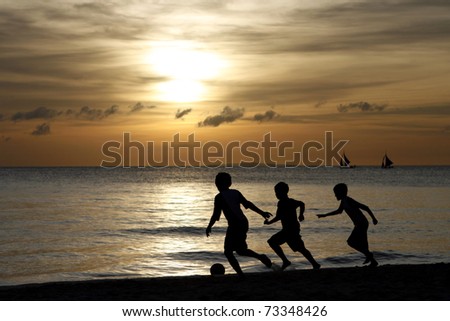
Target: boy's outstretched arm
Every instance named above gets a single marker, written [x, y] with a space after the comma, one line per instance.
[254, 208]
[367, 209]
[275, 219]
[338, 211]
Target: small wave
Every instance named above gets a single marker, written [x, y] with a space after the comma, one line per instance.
[408, 257]
[343, 260]
[114, 275]
[210, 256]
[383, 209]
[395, 255]
[184, 230]
[386, 257]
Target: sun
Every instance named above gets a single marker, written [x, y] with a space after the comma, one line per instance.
[180, 90]
[186, 67]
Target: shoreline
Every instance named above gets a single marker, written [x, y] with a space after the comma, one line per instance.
[422, 282]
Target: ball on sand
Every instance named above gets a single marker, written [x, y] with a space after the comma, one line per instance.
[217, 269]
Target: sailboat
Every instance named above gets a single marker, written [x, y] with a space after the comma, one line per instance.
[345, 162]
[386, 162]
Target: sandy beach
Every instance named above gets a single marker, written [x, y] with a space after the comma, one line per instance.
[389, 282]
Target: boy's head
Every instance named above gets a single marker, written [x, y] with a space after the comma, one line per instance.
[340, 190]
[223, 181]
[281, 190]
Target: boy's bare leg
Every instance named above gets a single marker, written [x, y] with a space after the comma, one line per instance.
[371, 259]
[307, 254]
[373, 263]
[285, 264]
[234, 262]
[263, 258]
[279, 251]
[369, 255]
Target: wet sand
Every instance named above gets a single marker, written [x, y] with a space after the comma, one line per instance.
[384, 283]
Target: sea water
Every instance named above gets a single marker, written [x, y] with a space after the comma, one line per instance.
[87, 223]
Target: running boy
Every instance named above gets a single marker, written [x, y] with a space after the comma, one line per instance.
[290, 232]
[229, 201]
[358, 237]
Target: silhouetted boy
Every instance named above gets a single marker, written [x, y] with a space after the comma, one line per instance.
[229, 201]
[358, 237]
[290, 232]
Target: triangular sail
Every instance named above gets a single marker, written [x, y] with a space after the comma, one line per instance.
[386, 163]
[345, 162]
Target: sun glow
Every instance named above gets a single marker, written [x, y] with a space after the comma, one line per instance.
[186, 68]
[181, 90]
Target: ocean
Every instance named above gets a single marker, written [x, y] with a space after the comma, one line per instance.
[65, 224]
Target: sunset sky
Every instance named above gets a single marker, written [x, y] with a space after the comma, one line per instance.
[76, 74]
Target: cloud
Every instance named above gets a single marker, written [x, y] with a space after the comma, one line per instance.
[361, 106]
[42, 129]
[84, 113]
[228, 115]
[89, 113]
[320, 103]
[38, 113]
[75, 56]
[139, 106]
[267, 116]
[375, 25]
[111, 110]
[98, 8]
[438, 110]
[182, 113]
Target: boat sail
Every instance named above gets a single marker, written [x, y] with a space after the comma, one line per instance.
[345, 162]
[386, 162]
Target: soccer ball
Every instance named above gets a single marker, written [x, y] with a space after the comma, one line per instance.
[217, 269]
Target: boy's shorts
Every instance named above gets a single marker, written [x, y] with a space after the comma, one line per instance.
[358, 238]
[293, 239]
[236, 238]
